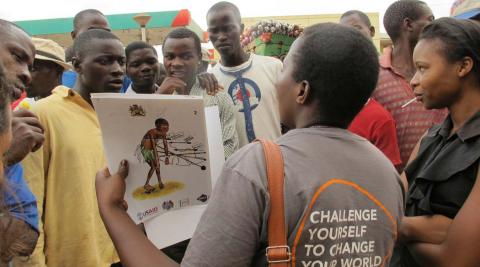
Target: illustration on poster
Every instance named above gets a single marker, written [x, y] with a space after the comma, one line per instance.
[159, 146]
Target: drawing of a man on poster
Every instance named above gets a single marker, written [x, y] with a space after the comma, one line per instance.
[149, 147]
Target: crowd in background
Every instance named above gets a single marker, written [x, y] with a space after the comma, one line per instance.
[394, 137]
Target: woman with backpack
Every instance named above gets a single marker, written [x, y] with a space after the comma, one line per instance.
[320, 196]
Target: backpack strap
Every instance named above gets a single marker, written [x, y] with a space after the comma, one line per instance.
[278, 252]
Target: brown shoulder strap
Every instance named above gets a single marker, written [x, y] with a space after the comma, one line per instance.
[278, 253]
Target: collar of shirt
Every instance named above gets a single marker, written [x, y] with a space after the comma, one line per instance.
[131, 91]
[386, 60]
[71, 95]
[469, 130]
[242, 66]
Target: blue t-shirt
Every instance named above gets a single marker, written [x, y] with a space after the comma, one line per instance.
[19, 200]
[70, 77]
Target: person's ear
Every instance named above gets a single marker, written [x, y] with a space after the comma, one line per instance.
[242, 27]
[372, 31]
[73, 35]
[408, 24]
[76, 63]
[465, 67]
[303, 92]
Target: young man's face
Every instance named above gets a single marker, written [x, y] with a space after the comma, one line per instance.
[224, 31]
[16, 53]
[91, 21]
[181, 59]
[142, 68]
[45, 76]
[102, 67]
[356, 22]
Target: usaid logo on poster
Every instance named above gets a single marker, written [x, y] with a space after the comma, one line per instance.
[146, 213]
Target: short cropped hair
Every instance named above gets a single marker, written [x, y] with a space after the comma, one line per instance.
[137, 45]
[161, 121]
[360, 14]
[6, 25]
[341, 67]
[82, 14]
[226, 5]
[398, 12]
[81, 43]
[181, 33]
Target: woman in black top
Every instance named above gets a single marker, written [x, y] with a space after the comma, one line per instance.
[442, 205]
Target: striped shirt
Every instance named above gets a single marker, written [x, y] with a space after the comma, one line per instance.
[392, 91]
[227, 116]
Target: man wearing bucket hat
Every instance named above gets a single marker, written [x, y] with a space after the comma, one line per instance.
[466, 9]
[48, 67]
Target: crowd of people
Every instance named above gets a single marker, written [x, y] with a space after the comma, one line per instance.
[378, 153]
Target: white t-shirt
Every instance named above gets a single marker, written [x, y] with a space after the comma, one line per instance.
[130, 90]
[258, 77]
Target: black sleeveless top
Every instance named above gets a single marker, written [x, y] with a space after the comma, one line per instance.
[444, 172]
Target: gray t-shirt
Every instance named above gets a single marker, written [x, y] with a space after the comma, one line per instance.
[343, 201]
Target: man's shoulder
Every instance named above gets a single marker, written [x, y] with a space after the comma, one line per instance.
[51, 105]
[375, 111]
[57, 94]
[248, 161]
[262, 58]
[222, 97]
[266, 60]
[215, 69]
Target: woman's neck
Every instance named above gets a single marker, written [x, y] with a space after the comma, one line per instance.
[467, 106]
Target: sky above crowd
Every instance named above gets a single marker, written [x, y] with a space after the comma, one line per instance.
[45, 9]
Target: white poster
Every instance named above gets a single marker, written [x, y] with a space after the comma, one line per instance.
[164, 138]
[176, 226]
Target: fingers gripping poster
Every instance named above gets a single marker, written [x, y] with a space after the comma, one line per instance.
[165, 141]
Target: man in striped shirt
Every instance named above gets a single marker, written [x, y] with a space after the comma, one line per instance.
[404, 20]
[181, 57]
